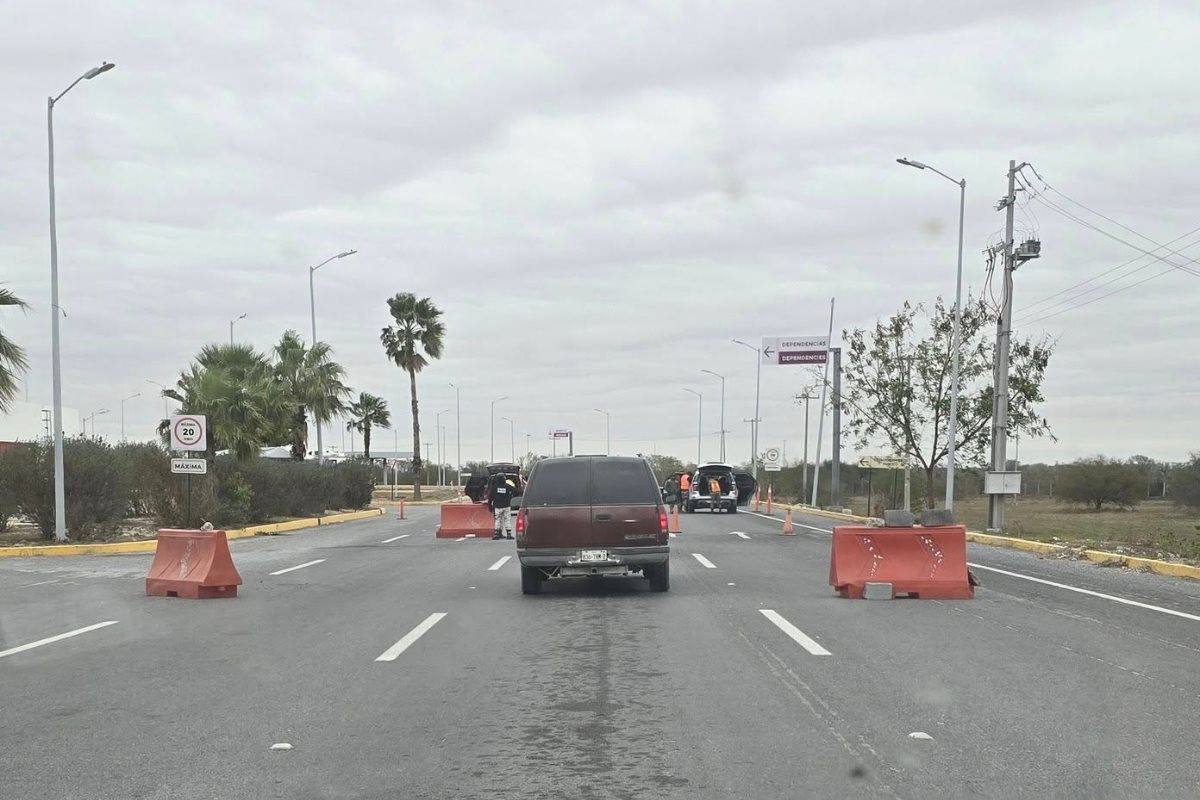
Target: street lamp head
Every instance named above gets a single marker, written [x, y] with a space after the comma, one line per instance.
[346, 253]
[94, 71]
[908, 162]
[243, 316]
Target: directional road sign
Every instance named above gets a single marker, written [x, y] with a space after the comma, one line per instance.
[883, 462]
[795, 349]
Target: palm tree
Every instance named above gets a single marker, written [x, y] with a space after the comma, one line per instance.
[418, 326]
[314, 381]
[235, 387]
[12, 355]
[367, 412]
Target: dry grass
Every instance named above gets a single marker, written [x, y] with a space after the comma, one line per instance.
[1156, 528]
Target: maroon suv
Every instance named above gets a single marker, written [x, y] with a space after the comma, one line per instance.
[591, 516]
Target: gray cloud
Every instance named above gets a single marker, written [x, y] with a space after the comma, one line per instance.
[599, 196]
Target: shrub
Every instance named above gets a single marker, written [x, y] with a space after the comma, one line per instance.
[1183, 484]
[1099, 480]
[91, 479]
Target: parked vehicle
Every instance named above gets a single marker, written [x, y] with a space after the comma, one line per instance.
[477, 485]
[699, 496]
[592, 516]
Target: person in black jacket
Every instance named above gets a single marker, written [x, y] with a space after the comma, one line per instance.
[501, 491]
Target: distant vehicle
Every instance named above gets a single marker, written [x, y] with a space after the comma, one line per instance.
[699, 496]
[746, 484]
[477, 485]
[592, 516]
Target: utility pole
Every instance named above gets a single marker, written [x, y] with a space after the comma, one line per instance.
[835, 468]
[1000, 422]
[806, 397]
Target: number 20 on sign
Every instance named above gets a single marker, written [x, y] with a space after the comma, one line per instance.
[188, 432]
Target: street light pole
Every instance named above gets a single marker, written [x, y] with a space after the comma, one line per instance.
[123, 399]
[166, 412]
[243, 316]
[608, 430]
[722, 377]
[312, 310]
[441, 454]
[92, 418]
[512, 441]
[699, 423]
[952, 423]
[492, 440]
[60, 492]
[457, 434]
[757, 419]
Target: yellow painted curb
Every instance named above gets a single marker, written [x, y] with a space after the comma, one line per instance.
[149, 545]
[143, 546]
[1014, 543]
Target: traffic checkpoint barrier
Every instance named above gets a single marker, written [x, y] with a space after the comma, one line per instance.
[192, 564]
[926, 563]
[459, 520]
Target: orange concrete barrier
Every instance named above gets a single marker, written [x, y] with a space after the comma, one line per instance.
[919, 562]
[192, 564]
[458, 520]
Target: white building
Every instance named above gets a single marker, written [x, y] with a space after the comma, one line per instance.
[27, 421]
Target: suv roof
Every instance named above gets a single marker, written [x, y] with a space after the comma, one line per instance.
[586, 480]
[714, 465]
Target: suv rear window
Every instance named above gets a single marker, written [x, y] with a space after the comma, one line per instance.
[560, 483]
[623, 482]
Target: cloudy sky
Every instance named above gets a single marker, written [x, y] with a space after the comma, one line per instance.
[600, 196]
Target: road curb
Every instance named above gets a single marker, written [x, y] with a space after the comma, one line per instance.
[149, 545]
[1155, 565]
[1158, 566]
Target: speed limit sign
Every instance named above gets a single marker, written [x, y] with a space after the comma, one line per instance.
[188, 432]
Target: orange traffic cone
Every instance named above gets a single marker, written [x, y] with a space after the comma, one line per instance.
[757, 498]
[788, 529]
[673, 524]
[400, 511]
[770, 497]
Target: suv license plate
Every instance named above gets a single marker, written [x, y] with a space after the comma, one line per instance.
[593, 555]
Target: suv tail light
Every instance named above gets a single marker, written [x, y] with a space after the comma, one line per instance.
[663, 525]
[521, 521]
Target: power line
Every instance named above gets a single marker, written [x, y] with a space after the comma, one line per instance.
[1093, 300]
[1109, 271]
[1041, 198]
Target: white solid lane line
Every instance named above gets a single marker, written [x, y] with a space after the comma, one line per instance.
[780, 520]
[52, 639]
[394, 538]
[499, 564]
[797, 635]
[393, 652]
[1101, 595]
[704, 561]
[298, 566]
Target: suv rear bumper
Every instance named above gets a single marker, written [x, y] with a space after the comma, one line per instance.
[569, 556]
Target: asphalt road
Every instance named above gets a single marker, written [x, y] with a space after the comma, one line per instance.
[749, 679]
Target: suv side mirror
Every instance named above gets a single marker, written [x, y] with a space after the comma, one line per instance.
[515, 503]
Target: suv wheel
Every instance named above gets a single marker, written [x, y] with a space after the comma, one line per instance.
[531, 580]
[660, 576]
[688, 508]
[733, 507]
